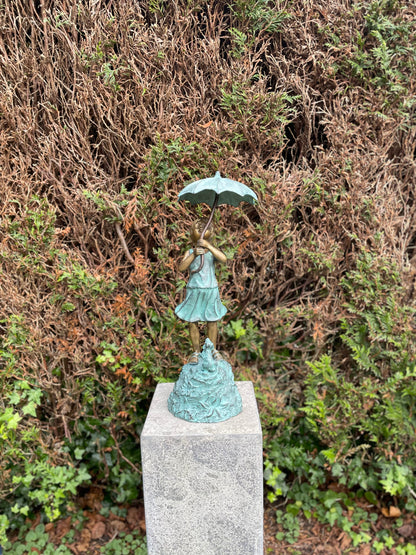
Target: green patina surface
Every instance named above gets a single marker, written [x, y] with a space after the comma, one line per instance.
[205, 392]
[225, 190]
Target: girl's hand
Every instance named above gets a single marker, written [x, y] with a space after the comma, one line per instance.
[203, 243]
[199, 250]
[218, 255]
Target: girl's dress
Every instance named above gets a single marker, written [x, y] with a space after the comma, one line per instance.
[202, 300]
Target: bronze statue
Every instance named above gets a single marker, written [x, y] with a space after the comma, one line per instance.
[202, 301]
[205, 390]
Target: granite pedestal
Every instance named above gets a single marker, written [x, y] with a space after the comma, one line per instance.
[203, 483]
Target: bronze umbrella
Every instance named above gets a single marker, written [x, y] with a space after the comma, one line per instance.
[215, 191]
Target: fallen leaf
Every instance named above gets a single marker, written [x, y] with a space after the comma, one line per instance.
[391, 512]
[365, 550]
[63, 527]
[98, 530]
[206, 125]
[93, 519]
[118, 526]
[84, 542]
[92, 499]
[35, 522]
[394, 512]
[326, 550]
[408, 530]
[134, 516]
[315, 529]
[345, 542]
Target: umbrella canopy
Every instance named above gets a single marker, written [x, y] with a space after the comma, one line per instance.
[217, 190]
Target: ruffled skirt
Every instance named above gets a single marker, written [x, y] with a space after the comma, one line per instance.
[201, 305]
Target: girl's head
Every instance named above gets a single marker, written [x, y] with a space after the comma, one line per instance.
[197, 229]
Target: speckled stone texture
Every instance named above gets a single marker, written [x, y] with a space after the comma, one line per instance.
[203, 483]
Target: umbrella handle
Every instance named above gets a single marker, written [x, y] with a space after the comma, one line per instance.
[214, 206]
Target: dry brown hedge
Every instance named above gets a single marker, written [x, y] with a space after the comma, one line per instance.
[108, 108]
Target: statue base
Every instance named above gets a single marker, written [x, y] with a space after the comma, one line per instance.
[205, 391]
[203, 482]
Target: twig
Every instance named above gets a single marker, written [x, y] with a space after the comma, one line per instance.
[144, 240]
[411, 491]
[44, 25]
[124, 244]
[67, 432]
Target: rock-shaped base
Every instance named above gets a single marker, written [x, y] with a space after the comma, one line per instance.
[205, 392]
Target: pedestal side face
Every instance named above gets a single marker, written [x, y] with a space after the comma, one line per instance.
[203, 483]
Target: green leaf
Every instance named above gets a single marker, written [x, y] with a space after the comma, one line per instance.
[68, 307]
[293, 509]
[22, 510]
[330, 455]
[371, 497]
[378, 546]
[14, 398]
[330, 497]
[31, 536]
[35, 395]
[78, 453]
[13, 421]
[40, 528]
[30, 409]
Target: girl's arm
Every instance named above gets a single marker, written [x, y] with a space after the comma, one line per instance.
[186, 261]
[218, 255]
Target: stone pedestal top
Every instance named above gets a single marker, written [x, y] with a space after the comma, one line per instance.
[160, 422]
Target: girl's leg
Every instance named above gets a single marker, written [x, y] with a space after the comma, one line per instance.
[194, 333]
[212, 332]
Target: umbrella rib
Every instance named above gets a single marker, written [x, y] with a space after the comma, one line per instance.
[214, 206]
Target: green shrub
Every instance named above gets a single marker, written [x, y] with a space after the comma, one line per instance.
[371, 401]
[358, 418]
[33, 540]
[125, 543]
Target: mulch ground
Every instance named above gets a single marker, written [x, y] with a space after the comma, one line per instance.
[317, 539]
[314, 538]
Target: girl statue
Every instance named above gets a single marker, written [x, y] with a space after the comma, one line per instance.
[202, 300]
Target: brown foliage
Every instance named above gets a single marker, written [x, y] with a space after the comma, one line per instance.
[128, 103]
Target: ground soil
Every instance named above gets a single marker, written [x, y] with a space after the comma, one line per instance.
[314, 538]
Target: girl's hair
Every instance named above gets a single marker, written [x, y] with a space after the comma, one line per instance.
[202, 223]
[199, 225]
